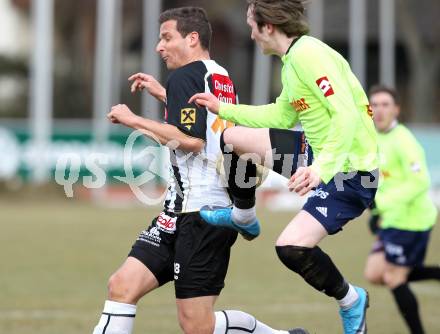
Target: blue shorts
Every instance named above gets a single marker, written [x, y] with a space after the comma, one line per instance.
[343, 198]
[403, 248]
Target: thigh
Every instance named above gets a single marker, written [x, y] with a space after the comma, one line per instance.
[154, 247]
[304, 231]
[201, 257]
[248, 140]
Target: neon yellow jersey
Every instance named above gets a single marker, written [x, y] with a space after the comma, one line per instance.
[402, 197]
[321, 91]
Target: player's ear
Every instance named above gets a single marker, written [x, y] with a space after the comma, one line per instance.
[194, 39]
[269, 27]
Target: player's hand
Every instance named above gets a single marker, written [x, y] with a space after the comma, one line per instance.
[121, 114]
[143, 81]
[304, 179]
[207, 100]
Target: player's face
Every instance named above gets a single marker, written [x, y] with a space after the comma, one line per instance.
[172, 47]
[262, 37]
[385, 110]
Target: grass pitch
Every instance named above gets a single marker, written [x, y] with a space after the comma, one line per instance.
[56, 257]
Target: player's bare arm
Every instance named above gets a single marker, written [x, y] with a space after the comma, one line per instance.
[207, 100]
[121, 114]
[141, 81]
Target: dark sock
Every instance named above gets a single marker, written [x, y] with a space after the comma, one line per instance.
[241, 172]
[316, 268]
[408, 307]
[421, 273]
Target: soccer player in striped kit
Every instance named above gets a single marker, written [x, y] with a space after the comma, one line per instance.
[179, 246]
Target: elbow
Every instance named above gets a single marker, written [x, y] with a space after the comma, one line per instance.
[193, 145]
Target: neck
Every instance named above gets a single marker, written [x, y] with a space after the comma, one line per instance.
[202, 55]
[392, 126]
[282, 44]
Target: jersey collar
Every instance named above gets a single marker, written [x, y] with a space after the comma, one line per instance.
[290, 47]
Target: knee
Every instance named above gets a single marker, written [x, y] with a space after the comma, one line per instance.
[294, 257]
[192, 322]
[294, 239]
[393, 280]
[119, 289]
[373, 276]
[283, 241]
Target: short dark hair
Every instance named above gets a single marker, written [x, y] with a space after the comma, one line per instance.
[375, 89]
[287, 15]
[190, 19]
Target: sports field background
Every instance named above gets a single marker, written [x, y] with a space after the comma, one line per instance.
[56, 256]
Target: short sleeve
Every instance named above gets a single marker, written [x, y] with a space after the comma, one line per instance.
[188, 118]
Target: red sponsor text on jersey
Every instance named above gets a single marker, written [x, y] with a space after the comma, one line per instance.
[223, 88]
[300, 104]
[325, 86]
[166, 222]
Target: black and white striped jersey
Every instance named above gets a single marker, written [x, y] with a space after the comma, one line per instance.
[194, 180]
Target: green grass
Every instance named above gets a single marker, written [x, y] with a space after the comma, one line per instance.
[56, 258]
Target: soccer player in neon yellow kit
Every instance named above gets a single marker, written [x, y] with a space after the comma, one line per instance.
[406, 212]
[320, 91]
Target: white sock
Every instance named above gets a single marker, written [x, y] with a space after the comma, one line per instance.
[241, 323]
[350, 298]
[116, 318]
[243, 216]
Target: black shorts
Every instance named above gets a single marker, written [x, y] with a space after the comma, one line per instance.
[290, 151]
[187, 250]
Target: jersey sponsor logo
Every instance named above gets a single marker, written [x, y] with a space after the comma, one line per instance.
[325, 86]
[300, 105]
[187, 116]
[166, 223]
[223, 88]
[151, 236]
